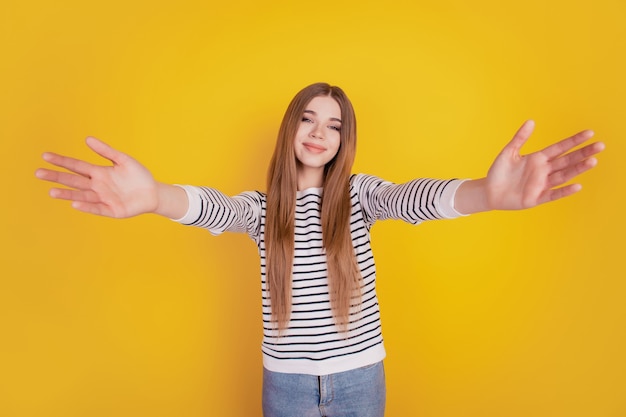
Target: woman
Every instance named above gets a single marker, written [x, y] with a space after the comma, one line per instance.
[322, 345]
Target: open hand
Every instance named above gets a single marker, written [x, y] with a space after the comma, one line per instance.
[124, 189]
[517, 181]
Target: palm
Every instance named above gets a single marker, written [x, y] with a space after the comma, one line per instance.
[123, 189]
[517, 181]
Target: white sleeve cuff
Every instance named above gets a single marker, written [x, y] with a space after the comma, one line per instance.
[446, 203]
[194, 205]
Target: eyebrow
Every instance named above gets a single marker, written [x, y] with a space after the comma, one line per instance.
[315, 114]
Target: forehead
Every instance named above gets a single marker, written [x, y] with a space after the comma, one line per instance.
[324, 106]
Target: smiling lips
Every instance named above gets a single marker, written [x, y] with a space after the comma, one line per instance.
[312, 147]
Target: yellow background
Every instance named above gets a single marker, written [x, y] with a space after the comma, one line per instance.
[499, 314]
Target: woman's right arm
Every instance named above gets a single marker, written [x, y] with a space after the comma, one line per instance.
[124, 189]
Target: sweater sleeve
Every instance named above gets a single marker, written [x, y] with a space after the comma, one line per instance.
[218, 213]
[414, 201]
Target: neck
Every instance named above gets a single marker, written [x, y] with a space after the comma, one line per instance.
[310, 177]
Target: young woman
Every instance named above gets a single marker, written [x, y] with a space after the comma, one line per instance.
[322, 345]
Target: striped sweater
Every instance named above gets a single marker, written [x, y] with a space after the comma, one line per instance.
[312, 343]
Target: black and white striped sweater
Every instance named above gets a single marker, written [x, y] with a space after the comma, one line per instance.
[312, 343]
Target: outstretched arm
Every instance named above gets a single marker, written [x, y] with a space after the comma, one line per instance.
[124, 189]
[517, 181]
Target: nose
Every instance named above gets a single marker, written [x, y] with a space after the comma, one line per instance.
[316, 132]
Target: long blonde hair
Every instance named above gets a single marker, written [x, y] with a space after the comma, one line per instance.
[344, 278]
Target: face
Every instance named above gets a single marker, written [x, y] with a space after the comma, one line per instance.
[318, 137]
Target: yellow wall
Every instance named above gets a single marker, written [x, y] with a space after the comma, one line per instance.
[500, 314]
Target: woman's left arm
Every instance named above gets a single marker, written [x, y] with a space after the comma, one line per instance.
[517, 181]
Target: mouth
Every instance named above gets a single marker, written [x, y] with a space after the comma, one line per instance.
[311, 147]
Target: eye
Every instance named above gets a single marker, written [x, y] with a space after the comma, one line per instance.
[307, 120]
[337, 128]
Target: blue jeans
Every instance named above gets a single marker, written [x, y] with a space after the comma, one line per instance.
[356, 393]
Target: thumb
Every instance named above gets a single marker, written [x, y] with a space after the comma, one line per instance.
[520, 137]
[104, 150]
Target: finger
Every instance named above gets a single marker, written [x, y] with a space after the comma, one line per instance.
[558, 193]
[561, 177]
[568, 144]
[71, 164]
[104, 150]
[63, 178]
[74, 195]
[520, 137]
[577, 156]
[93, 208]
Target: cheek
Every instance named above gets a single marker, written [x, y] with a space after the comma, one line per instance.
[300, 132]
[337, 142]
